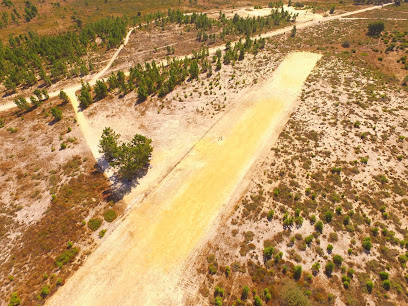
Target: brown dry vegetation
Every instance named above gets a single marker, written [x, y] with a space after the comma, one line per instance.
[46, 195]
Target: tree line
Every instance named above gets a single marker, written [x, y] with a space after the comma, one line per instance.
[153, 79]
[30, 58]
[52, 58]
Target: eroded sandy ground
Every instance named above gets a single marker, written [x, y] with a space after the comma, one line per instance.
[144, 254]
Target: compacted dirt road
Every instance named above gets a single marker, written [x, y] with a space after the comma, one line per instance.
[140, 262]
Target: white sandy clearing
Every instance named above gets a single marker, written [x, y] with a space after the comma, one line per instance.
[140, 263]
[303, 15]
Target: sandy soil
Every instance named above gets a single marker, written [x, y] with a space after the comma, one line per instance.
[304, 15]
[156, 237]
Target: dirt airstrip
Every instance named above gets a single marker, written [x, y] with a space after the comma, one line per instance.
[143, 255]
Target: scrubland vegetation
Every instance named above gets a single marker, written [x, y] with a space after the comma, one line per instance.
[50, 188]
[325, 218]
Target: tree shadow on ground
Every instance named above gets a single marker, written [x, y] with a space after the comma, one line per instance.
[120, 186]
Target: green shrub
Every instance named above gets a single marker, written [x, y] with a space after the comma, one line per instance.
[45, 291]
[319, 226]
[337, 259]
[109, 215]
[270, 215]
[218, 301]
[94, 223]
[403, 259]
[375, 28]
[384, 275]
[329, 248]
[313, 219]
[257, 301]
[329, 216]
[405, 81]
[66, 257]
[227, 271]
[316, 268]
[299, 220]
[14, 300]
[367, 243]
[386, 284]
[212, 269]
[346, 284]
[328, 269]
[245, 293]
[102, 233]
[309, 239]
[218, 291]
[369, 286]
[297, 272]
[57, 113]
[268, 251]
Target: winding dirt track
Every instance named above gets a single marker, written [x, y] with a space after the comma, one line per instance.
[140, 262]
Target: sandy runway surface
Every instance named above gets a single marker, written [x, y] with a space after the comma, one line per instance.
[140, 262]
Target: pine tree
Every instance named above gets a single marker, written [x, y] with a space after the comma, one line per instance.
[101, 90]
[85, 96]
[64, 97]
[22, 103]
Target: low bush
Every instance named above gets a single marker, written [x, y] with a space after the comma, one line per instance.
[94, 224]
[328, 269]
[66, 257]
[386, 284]
[245, 293]
[337, 259]
[268, 251]
[297, 272]
[270, 215]
[109, 215]
[367, 243]
[384, 275]
[319, 226]
[375, 28]
[14, 300]
[369, 286]
[45, 291]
